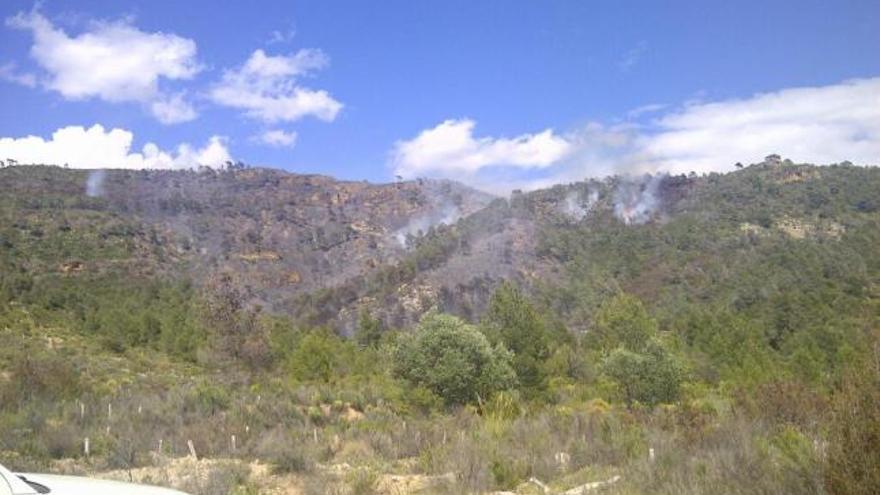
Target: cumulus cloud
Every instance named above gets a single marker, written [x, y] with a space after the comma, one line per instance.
[267, 88]
[96, 147]
[821, 125]
[812, 124]
[277, 138]
[113, 61]
[451, 148]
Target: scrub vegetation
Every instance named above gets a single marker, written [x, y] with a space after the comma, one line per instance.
[728, 341]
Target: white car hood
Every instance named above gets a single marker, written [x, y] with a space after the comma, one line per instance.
[73, 485]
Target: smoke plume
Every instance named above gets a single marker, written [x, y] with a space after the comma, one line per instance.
[95, 183]
[576, 206]
[446, 214]
[636, 200]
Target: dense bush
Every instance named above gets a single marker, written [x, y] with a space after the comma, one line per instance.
[514, 322]
[622, 321]
[649, 377]
[453, 360]
[853, 454]
[319, 355]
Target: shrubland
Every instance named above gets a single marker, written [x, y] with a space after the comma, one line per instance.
[729, 345]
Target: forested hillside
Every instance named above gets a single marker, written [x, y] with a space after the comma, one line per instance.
[690, 334]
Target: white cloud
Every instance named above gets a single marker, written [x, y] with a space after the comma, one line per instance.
[96, 147]
[450, 148]
[267, 88]
[173, 109]
[821, 125]
[113, 61]
[645, 109]
[278, 138]
[9, 72]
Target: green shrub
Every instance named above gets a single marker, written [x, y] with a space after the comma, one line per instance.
[35, 373]
[290, 460]
[362, 481]
[453, 360]
[369, 331]
[623, 321]
[506, 474]
[650, 378]
[319, 356]
[853, 456]
[513, 321]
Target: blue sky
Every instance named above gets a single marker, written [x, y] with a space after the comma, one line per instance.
[491, 92]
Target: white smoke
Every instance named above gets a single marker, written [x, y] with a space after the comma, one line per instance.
[446, 215]
[576, 206]
[636, 199]
[95, 183]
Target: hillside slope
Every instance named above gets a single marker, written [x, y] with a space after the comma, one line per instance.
[747, 240]
[326, 251]
[728, 323]
[278, 234]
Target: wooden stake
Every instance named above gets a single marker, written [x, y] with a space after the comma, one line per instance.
[86, 446]
[192, 449]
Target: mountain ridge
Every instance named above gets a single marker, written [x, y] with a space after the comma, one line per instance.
[326, 251]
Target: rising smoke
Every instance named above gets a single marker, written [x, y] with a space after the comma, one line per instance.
[95, 183]
[577, 206]
[446, 214]
[636, 199]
